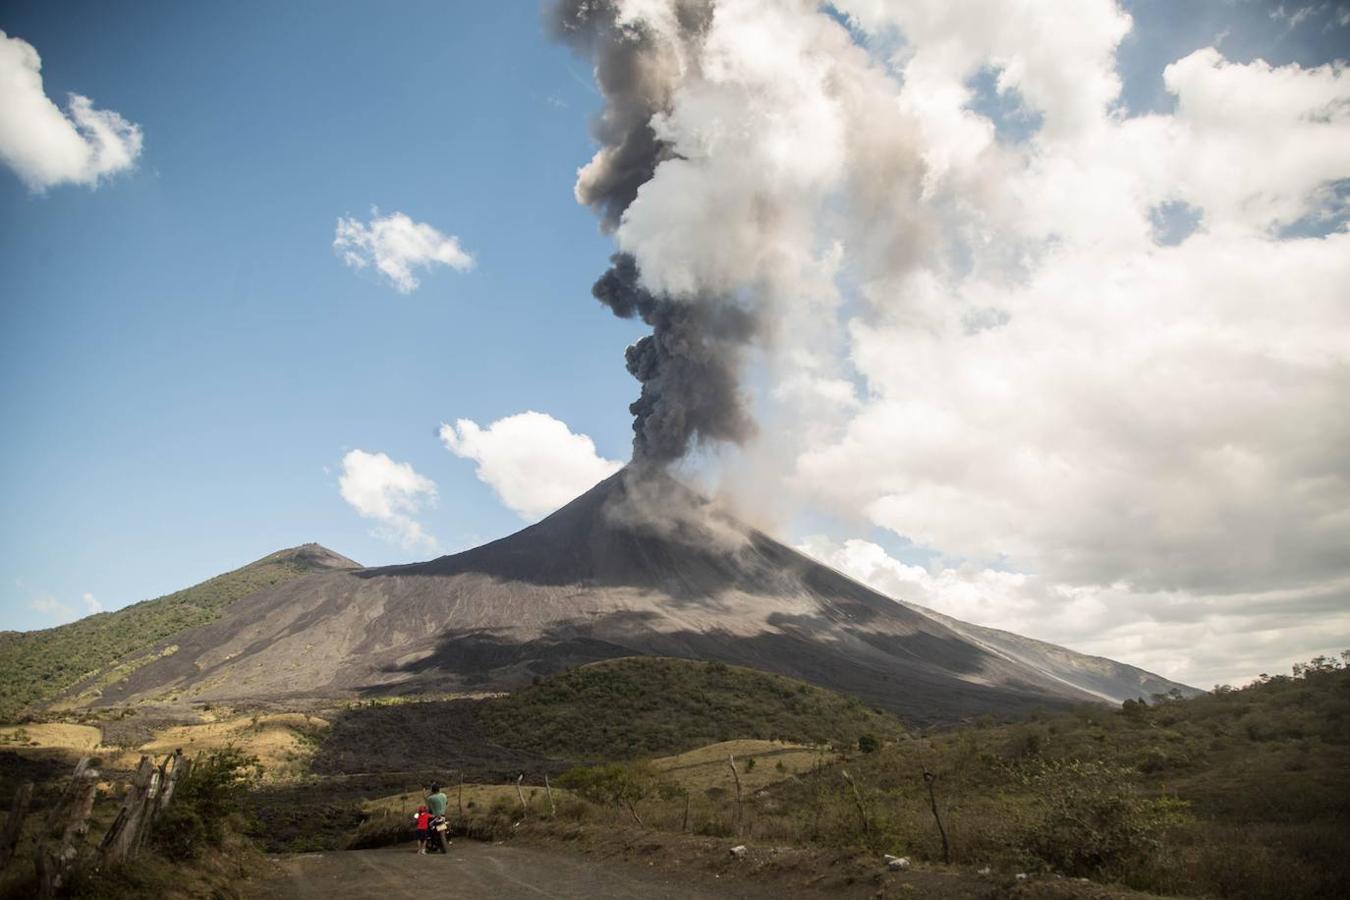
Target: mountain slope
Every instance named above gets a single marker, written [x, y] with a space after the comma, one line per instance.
[1109, 680]
[38, 665]
[635, 566]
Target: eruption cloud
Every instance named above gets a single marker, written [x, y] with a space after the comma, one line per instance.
[688, 366]
[743, 145]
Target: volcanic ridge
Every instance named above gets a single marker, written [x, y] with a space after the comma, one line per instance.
[638, 565]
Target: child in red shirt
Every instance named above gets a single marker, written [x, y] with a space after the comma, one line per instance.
[423, 818]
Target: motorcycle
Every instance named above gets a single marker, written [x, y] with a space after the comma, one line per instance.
[438, 835]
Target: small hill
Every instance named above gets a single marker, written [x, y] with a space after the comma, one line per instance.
[38, 666]
[643, 707]
[612, 710]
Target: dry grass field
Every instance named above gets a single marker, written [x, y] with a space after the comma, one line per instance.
[760, 763]
[46, 737]
[282, 742]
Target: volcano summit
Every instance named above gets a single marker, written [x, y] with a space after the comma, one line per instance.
[638, 565]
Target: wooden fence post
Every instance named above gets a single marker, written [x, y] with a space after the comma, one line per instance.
[857, 799]
[120, 841]
[461, 796]
[9, 838]
[929, 778]
[524, 810]
[148, 805]
[731, 761]
[548, 789]
[180, 765]
[77, 802]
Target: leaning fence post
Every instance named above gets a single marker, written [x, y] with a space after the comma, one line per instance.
[121, 838]
[9, 838]
[524, 810]
[731, 761]
[148, 806]
[77, 802]
[171, 781]
[857, 799]
[548, 789]
[929, 778]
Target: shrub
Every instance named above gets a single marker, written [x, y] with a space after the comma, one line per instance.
[617, 784]
[1092, 819]
[206, 801]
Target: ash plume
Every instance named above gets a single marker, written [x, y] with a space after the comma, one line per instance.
[688, 366]
[749, 154]
[636, 72]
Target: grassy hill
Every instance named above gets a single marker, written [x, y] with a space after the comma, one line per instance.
[36, 666]
[1237, 793]
[617, 709]
[641, 706]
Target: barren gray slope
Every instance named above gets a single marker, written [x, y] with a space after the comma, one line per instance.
[1110, 680]
[633, 566]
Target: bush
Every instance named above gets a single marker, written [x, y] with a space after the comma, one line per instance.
[868, 743]
[619, 784]
[206, 801]
[1092, 819]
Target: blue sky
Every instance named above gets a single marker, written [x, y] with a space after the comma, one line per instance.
[186, 361]
[183, 352]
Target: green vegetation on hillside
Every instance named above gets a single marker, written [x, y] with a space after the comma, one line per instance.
[643, 706]
[36, 666]
[619, 709]
[1238, 793]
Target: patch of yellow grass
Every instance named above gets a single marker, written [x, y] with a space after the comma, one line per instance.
[275, 739]
[52, 736]
[706, 767]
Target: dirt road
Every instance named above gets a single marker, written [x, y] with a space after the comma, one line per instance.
[473, 869]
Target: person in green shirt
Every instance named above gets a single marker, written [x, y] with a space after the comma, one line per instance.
[437, 801]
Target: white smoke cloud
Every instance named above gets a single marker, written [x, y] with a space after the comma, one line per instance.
[1202, 639]
[532, 461]
[391, 493]
[91, 603]
[45, 146]
[396, 245]
[1028, 380]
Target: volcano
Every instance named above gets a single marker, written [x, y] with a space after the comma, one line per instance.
[638, 565]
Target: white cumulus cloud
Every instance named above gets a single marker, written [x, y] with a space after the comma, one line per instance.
[531, 460]
[45, 146]
[91, 603]
[50, 606]
[396, 245]
[1199, 638]
[391, 493]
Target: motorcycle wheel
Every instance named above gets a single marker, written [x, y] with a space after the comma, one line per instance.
[442, 842]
